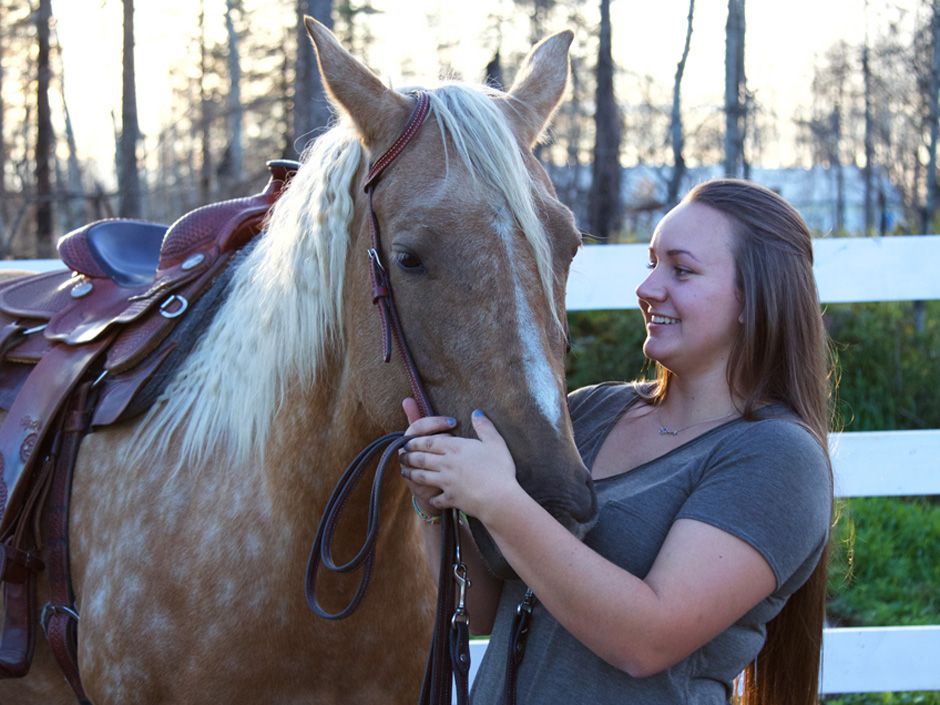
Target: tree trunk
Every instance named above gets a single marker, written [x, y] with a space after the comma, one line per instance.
[675, 129]
[869, 143]
[128, 176]
[930, 210]
[604, 210]
[571, 193]
[311, 108]
[493, 75]
[734, 88]
[44, 138]
[835, 161]
[205, 172]
[234, 152]
[74, 202]
[4, 214]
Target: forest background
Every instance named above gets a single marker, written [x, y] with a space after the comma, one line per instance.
[243, 89]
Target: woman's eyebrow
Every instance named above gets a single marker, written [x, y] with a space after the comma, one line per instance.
[673, 253]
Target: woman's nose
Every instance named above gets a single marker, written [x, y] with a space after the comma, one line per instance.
[649, 289]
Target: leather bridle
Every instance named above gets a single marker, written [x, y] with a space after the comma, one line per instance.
[449, 656]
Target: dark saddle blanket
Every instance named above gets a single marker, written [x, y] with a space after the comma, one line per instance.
[108, 324]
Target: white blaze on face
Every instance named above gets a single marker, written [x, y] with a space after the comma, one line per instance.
[541, 381]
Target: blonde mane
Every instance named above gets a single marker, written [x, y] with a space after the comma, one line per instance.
[284, 307]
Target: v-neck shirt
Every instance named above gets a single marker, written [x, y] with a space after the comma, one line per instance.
[765, 481]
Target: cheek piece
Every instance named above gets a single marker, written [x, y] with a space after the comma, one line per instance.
[449, 658]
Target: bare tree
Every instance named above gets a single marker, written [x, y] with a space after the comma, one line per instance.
[867, 172]
[930, 209]
[604, 211]
[128, 176]
[311, 107]
[735, 95]
[232, 161]
[493, 73]
[74, 205]
[827, 131]
[4, 215]
[44, 136]
[675, 130]
[205, 109]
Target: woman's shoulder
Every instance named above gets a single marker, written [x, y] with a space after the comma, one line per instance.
[776, 443]
[777, 425]
[606, 392]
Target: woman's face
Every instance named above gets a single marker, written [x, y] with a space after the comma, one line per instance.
[690, 299]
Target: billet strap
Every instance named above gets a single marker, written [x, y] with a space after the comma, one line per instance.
[59, 618]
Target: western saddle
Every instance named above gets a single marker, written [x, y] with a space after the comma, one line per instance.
[84, 348]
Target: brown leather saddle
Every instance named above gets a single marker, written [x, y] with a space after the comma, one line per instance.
[87, 347]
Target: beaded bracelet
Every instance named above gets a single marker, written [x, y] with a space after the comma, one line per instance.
[423, 515]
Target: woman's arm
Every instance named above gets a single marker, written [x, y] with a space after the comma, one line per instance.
[702, 581]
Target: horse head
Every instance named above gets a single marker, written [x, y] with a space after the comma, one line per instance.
[477, 248]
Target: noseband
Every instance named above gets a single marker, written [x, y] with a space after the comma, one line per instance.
[449, 656]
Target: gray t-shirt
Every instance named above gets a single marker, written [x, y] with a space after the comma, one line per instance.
[764, 481]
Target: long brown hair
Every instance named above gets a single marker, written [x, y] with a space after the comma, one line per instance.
[782, 355]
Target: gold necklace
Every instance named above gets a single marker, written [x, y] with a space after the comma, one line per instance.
[664, 430]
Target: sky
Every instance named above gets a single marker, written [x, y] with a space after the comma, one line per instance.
[783, 41]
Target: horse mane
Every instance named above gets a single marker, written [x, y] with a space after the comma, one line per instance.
[283, 311]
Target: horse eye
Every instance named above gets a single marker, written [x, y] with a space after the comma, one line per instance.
[410, 262]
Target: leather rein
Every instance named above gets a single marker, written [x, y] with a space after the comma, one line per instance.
[449, 657]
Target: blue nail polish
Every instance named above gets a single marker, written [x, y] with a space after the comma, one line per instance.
[478, 413]
[451, 421]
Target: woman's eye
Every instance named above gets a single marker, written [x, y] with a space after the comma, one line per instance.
[651, 265]
[409, 261]
[682, 271]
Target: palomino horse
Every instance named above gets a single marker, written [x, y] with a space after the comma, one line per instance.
[190, 527]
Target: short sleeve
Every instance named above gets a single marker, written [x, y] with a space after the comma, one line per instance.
[770, 486]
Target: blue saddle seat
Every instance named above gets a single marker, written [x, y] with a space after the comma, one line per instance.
[127, 250]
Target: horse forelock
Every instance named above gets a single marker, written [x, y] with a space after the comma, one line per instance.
[284, 309]
[486, 145]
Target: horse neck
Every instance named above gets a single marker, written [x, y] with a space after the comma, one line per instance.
[316, 433]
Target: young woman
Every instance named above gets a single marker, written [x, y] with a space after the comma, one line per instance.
[713, 482]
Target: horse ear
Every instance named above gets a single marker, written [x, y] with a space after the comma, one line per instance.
[357, 91]
[539, 86]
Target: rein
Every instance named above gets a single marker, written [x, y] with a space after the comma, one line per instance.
[449, 656]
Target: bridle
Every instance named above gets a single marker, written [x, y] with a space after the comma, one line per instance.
[449, 656]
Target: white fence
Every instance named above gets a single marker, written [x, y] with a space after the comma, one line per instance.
[883, 463]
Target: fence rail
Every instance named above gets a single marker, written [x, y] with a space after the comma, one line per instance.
[882, 463]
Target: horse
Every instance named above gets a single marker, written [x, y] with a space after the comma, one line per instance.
[189, 525]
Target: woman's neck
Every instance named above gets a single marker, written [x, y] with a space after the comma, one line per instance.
[697, 398]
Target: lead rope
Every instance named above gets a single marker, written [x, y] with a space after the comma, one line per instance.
[449, 654]
[517, 641]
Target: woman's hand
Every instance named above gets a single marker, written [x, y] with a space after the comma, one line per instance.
[473, 475]
[423, 426]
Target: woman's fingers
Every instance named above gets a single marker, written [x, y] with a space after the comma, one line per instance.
[427, 425]
[412, 412]
[422, 460]
[485, 429]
